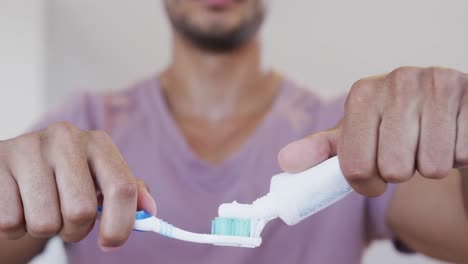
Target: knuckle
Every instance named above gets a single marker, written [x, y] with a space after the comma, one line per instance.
[99, 136]
[80, 214]
[113, 239]
[362, 88]
[395, 176]
[433, 171]
[10, 224]
[358, 176]
[70, 235]
[360, 93]
[64, 132]
[403, 81]
[358, 173]
[403, 74]
[124, 189]
[63, 128]
[44, 227]
[394, 169]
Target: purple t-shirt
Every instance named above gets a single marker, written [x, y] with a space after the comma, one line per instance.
[188, 190]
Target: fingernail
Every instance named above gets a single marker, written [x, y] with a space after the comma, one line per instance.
[109, 249]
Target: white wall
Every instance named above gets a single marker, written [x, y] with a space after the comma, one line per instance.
[21, 64]
[104, 44]
[331, 43]
[326, 44]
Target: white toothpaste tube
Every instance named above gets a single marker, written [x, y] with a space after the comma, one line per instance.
[294, 197]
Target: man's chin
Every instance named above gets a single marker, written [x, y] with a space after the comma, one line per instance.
[218, 31]
[218, 39]
[218, 42]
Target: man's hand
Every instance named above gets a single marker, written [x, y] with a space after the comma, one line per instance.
[409, 122]
[411, 119]
[50, 181]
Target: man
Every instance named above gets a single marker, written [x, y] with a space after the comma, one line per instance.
[207, 130]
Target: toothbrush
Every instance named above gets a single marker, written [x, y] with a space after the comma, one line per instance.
[228, 233]
[292, 198]
[225, 232]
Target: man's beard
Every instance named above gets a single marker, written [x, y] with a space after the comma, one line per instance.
[216, 40]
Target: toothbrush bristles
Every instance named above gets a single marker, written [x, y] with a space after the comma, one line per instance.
[231, 227]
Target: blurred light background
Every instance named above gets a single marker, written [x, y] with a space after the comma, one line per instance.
[50, 48]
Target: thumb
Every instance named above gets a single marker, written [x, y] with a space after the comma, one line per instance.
[309, 151]
[144, 200]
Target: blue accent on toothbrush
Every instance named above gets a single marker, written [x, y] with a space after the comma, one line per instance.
[140, 215]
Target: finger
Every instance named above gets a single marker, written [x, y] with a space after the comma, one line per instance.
[118, 187]
[357, 148]
[461, 147]
[78, 201]
[144, 200]
[399, 132]
[37, 187]
[12, 225]
[438, 128]
[307, 152]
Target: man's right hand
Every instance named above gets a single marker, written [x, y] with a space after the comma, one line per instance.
[50, 181]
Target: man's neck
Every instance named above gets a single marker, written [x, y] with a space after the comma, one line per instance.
[214, 86]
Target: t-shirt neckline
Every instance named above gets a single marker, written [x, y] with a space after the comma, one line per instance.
[185, 152]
